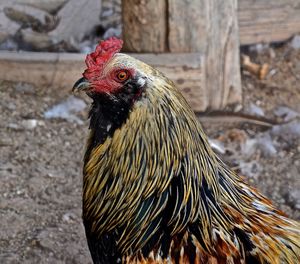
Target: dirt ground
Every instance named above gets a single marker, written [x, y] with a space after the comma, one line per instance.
[40, 164]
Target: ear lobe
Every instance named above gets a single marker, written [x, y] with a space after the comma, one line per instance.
[141, 81]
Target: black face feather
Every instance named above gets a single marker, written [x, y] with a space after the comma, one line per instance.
[110, 112]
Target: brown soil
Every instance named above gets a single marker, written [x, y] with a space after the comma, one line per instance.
[40, 166]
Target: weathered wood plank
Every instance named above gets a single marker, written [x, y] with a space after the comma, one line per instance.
[222, 62]
[187, 25]
[268, 20]
[258, 20]
[217, 39]
[61, 70]
[146, 25]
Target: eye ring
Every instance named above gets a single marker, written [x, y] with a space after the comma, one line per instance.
[122, 75]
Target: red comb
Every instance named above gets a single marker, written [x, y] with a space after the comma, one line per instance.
[96, 60]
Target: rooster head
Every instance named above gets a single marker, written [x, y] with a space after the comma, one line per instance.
[112, 73]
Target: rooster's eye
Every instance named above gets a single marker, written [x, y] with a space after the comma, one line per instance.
[122, 76]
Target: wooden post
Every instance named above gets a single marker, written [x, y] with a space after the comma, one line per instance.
[193, 26]
[222, 64]
[145, 25]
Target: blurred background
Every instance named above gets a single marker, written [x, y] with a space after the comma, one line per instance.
[237, 62]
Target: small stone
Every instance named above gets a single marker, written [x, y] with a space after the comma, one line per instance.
[19, 192]
[112, 32]
[286, 113]
[217, 146]
[107, 13]
[255, 110]
[11, 106]
[272, 72]
[294, 197]
[290, 131]
[14, 126]
[250, 169]
[68, 217]
[41, 123]
[67, 109]
[37, 40]
[24, 88]
[259, 48]
[238, 108]
[5, 141]
[295, 43]
[263, 142]
[30, 124]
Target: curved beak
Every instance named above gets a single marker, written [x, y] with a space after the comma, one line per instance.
[81, 85]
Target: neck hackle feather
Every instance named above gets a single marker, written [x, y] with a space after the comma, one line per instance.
[155, 192]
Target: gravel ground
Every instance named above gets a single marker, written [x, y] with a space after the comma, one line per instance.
[40, 164]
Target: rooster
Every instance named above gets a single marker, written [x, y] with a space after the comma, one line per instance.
[153, 189]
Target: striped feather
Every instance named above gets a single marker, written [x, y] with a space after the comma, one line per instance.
[158, 186]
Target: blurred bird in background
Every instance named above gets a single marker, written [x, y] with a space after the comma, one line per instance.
[153, 189]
